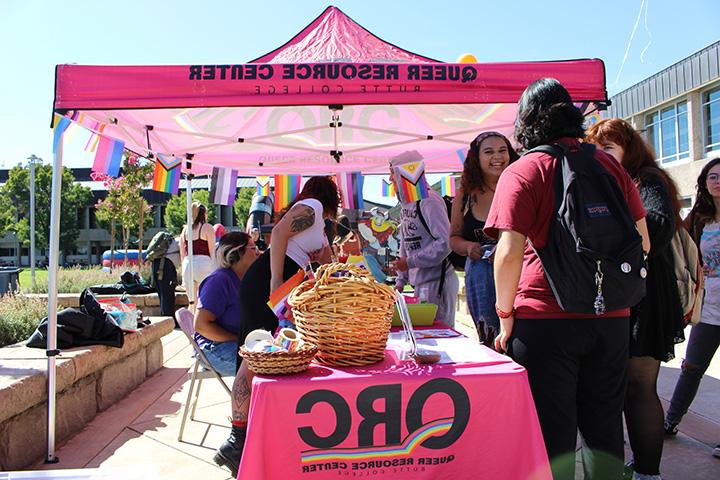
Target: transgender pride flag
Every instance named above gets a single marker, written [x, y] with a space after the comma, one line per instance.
[223, 186]
[351, 189]
[447, 186]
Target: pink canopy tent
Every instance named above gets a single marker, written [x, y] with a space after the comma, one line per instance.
[334, 98]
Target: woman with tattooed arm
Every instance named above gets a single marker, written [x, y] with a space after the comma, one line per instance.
[297, 239]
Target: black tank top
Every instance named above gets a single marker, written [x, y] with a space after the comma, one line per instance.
[473, 229]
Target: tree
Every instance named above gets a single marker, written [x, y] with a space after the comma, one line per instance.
[176, 210]
[15, 206]
[124, 204]
[243, 202]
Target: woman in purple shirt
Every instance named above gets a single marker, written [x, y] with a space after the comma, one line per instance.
[217, 319]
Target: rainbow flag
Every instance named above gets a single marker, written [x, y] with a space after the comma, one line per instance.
[411, 181]
[167, 174]
[350, 186]
[388, 188]
[108, 156]
[447, 186]
[278, 298]
[287, 187]
[60, 124]
[223, 186]
[262, 186]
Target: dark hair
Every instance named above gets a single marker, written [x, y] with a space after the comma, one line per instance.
[638, 158]
[546, 113]
[201, 216]
[231, 248]
[472, 176]
[325, 191]
[703, 210]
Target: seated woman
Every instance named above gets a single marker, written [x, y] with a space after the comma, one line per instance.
[297, 239]
[217, 318]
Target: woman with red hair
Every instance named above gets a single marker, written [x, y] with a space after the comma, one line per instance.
[656, 323]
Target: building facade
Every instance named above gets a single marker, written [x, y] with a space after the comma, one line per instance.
[93, 240]
[678, 109]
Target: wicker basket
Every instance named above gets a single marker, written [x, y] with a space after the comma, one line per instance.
[279, 362]
[346, 313]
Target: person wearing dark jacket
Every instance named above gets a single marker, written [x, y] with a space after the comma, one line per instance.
[656, 323]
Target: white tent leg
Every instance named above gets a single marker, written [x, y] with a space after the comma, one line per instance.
[53, 263]
[191, 287]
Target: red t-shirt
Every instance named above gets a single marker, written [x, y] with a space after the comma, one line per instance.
[524, 202]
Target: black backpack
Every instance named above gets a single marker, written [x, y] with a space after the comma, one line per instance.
[594, 259]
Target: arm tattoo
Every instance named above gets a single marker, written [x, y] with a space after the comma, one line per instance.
[303, 219]
[240, 398]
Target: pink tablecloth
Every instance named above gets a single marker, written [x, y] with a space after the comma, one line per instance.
[397, 420]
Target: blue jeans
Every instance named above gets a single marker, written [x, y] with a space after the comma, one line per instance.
[222, 356]
[480, 294]
[703, 343]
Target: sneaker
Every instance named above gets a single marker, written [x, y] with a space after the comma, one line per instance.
[671, 428]
[716, 451]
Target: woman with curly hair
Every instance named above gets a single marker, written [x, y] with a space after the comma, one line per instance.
[489, 154]
[656, 323]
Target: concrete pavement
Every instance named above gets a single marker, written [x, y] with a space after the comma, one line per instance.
[137, 437]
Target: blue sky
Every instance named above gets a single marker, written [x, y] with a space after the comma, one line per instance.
[37, 35]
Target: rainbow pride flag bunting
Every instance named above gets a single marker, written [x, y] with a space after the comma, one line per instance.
[351, 189]
[92, 142]
[167, 174]
[447, 186]
[278, 297]
[223, 186]
[262, 186]
[60, 124]
[287, 187]
[411, 181]
[388, 188]
[108, 156]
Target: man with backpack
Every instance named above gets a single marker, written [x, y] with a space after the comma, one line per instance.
[164, 253]
[424, 249]
[568, 265]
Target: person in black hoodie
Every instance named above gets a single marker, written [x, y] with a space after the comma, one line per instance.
[656, 323]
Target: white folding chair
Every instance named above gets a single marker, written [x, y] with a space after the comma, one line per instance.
[201, 370]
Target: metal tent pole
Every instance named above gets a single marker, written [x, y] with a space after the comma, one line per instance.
[191, 287]
[53, 263]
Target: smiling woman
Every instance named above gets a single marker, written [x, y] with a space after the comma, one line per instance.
[490, 153]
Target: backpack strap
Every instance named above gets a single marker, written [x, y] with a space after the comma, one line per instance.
[444, 263]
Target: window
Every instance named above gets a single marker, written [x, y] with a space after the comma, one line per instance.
[711, 118]
[93, 218]
[667, 132]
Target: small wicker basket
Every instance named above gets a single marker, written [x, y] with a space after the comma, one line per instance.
[346, 313]
[279, 362]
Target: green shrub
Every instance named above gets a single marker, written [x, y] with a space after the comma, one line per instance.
[75, 279]
[19, 315]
